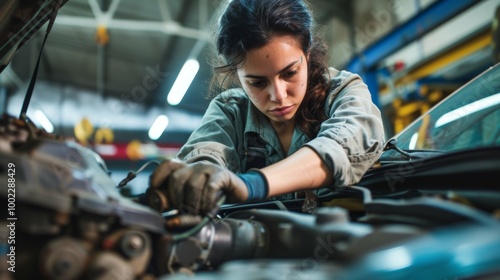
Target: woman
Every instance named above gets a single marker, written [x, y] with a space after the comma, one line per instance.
[288, 123]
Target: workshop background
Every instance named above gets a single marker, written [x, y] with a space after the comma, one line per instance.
[108, 71]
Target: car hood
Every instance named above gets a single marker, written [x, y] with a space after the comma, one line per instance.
[19, 21]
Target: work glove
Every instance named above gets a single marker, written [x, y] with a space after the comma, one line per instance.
[195, 188]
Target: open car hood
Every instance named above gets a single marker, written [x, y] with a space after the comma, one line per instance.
[19, 21]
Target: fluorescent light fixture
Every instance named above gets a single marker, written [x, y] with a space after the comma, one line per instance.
[183, 81]
[42, 119]
[158, 127]
[468, 109]
[413, 141]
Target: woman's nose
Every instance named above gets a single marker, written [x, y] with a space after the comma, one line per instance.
[278, 92]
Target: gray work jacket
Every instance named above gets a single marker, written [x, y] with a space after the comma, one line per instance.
[349, 141]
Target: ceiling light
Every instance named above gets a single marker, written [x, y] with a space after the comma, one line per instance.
[158, 127]
[183, 81]
[42, 119]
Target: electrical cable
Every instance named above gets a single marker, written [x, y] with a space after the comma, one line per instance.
[190, 232]
[132, 174]
[206, 219]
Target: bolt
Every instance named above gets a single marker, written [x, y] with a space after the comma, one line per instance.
[135, 242]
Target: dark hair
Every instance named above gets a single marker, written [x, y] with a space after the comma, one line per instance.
[250, 24]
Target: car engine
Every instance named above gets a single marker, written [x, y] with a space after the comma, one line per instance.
[64, 218]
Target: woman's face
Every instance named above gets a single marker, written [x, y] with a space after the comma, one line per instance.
[275, 78]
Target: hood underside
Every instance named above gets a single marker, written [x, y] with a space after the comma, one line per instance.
[19, 21]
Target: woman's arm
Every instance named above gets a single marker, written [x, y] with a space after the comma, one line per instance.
[349, 142]
[219, 135]
[302, 170]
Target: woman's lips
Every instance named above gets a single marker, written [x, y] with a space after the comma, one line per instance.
[281, 111]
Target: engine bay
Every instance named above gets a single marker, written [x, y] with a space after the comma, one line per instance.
[66, 219]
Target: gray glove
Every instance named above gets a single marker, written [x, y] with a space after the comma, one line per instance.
[197, 187]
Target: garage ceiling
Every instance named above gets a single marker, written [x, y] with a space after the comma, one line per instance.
[127, 52]
[112, 47]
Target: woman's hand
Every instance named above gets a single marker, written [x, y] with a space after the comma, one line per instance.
[196, 187]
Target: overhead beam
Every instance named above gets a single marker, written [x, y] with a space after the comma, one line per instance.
[437, 63]
[200, 43]
[422, 23]
[112, 10]
[172, 28]
[96, 9]
[164, 11]
[479, 42]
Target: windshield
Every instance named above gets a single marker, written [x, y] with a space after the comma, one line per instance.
[468, 118]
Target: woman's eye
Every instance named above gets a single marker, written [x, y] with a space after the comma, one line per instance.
[289, 74]
[258, 83]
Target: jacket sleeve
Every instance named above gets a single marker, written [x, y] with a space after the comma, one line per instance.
[352, 138]
[216, 139]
